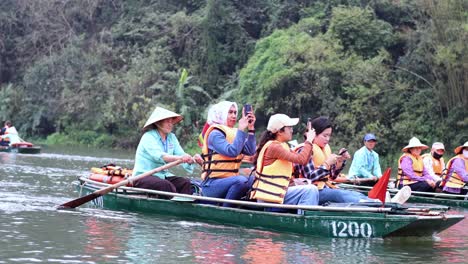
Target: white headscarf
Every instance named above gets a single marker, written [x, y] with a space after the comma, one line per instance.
[218, 113]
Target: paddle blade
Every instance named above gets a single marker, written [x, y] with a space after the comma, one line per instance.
[77, 202]
[380, 188]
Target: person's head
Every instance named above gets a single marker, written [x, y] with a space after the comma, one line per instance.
[323, 130]
[282, 126]
[223, 113]
[8, 123]
[163, 120]
[279, 128]
[370, 141]
[415, 147]
[437, 150]
[463, 149]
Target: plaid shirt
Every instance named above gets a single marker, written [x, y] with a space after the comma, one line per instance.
[315, 174]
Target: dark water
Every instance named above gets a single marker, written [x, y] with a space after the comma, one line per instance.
[33, 231]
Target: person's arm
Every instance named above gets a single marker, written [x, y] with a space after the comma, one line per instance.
[276, 151]
[180, 153]
[217, 142]
[458, 166]
[429, 167]
[407, 168]
[250, 145]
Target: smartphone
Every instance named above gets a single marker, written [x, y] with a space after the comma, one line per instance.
[342, 152]
[247, 108]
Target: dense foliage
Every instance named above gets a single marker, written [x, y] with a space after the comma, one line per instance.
[92, 71]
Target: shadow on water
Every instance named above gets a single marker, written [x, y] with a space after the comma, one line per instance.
[33, 231]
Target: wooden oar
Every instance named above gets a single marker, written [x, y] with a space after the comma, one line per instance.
[101, 192]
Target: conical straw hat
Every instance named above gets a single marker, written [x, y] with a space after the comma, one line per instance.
[413, 143]
[459, 148]
[160, 114]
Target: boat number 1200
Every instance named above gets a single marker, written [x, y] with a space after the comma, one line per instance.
[351, 229]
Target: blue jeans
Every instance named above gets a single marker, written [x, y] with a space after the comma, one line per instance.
[234, 188]
[299, 195]
[340, 196]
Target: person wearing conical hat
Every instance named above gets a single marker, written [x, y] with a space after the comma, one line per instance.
[158, 146]
[457, 172]
[411, 171]
[223, 149]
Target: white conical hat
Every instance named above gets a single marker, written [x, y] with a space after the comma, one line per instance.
[160, 114]
[413, 143]
[459, 148]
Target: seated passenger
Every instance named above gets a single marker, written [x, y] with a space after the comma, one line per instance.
[223, 149]
[434, 162]
[411, 171]
[323, 166]
[457, 172]
[274, 168]
[365, 163]
[10, 136]
[158, 146]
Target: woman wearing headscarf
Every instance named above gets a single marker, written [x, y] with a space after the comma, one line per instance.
[457, 171]
[223, 149]
[158, 146]
[411, 170]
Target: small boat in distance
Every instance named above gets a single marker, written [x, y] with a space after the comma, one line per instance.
[21, 147]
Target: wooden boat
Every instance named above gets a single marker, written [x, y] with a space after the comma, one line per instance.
[337, 220]
[452, 200]
[21, 148]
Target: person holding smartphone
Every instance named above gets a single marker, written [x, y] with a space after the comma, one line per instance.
[324, 166]
[223, 149]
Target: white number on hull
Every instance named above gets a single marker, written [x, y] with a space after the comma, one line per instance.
[351, 229]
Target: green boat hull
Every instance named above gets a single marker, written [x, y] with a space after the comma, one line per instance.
[419, 197]
[341, 224]
[22, 150]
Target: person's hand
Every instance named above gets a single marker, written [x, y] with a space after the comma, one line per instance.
[186, 158]
[243, 123]
[310, 135]
[431, 183]
[345, 155]
[251, 120]
[375, 178]
[198, 159]
[331, 160]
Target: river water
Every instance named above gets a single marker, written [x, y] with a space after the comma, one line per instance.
[33, 231]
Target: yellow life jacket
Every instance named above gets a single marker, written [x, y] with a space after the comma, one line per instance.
[418, 166]
[216, 165]
[272, 181]
[451, 178]
[438, 165]
[319, 157]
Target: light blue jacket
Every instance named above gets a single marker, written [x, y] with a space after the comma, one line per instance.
[365, 164]
[150, 151]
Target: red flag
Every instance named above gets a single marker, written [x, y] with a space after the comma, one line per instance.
[380, 188]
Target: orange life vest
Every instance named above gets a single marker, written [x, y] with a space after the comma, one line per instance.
[112, 170]
[319, 157]
[272, 181]
[106, 178]
[451, 178]
[418, 166]
[438, 165]
[216, 165]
